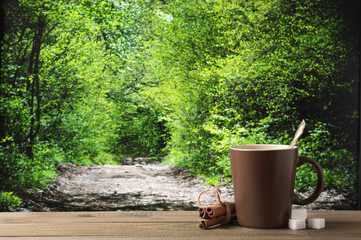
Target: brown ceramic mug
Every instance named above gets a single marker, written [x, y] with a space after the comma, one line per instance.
[263, 180]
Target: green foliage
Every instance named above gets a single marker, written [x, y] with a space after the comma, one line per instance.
[92, 62]
[338, 163]
[89, 81]
[61, 62]
[9, 202]
[241, 72]
[140, 131]
[19, 172]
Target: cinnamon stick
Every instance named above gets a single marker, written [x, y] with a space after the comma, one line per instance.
[207, 223]
[219, 210]
[203, 212]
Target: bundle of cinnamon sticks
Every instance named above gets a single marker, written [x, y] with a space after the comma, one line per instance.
[216, 215]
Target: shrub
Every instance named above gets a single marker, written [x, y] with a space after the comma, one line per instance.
[9, 202]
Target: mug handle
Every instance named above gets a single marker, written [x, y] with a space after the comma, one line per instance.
[320, 182]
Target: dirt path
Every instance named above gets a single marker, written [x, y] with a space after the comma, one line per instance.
[138, 185]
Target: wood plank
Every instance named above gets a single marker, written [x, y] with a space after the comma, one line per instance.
[127, 225]
[177, 231]
[191, 237]
[140, 216]
[154, 229]
[100, 217]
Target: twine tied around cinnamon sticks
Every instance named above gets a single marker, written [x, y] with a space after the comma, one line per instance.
[220, 213]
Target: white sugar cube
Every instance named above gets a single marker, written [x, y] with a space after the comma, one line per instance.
[316, 223]
[296, 224]
[299, 213]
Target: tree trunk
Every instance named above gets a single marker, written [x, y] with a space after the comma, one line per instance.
[33, 86]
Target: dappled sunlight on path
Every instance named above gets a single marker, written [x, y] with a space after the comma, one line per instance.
[139, 184]
[123, 187]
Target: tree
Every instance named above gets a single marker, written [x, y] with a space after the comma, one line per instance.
[248, 72]
[60, 60]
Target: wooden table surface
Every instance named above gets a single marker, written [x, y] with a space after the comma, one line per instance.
[160, 225]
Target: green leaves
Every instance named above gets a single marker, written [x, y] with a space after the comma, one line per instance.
[185, 79]
[61, 61]
[9, 202]
[246, 72]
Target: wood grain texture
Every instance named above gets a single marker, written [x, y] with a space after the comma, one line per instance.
[160, 225]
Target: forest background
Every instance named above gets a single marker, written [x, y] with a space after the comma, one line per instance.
[181, 81]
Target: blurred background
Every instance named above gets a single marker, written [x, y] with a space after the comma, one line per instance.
[178, 82]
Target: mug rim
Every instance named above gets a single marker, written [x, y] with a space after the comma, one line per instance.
[261, 147]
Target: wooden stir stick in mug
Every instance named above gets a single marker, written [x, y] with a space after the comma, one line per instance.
[298, 134]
